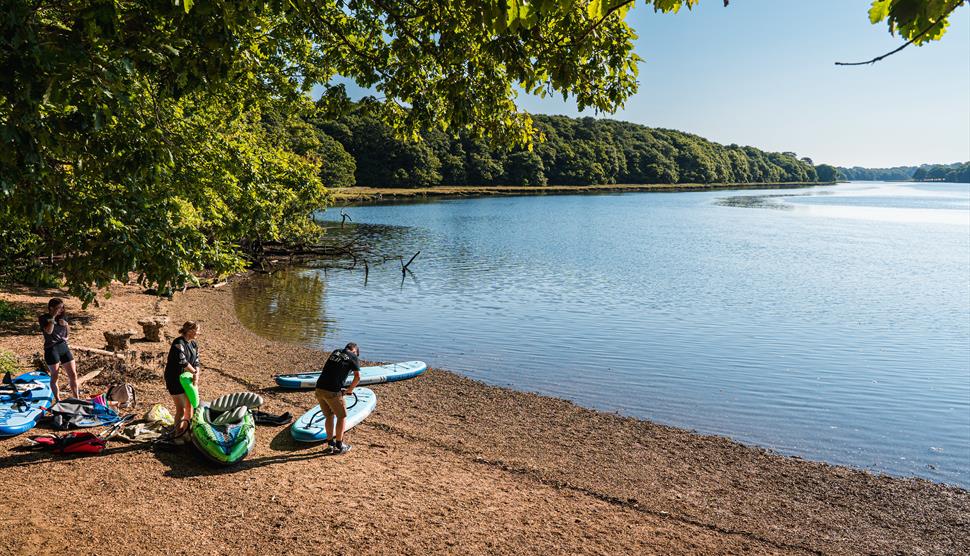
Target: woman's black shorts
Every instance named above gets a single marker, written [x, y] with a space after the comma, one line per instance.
[173, 384]
[58, 353]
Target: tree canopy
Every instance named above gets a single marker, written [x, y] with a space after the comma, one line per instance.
[145, 136]
[574, 151]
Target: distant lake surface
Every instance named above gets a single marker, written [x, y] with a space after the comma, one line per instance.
[831, 323]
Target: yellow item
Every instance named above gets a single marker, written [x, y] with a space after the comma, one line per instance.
[159, 413]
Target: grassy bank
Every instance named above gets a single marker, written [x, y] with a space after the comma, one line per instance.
[371, 194]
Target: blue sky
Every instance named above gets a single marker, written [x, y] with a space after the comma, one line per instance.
[762, 73]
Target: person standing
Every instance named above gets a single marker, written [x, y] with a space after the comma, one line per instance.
[55, 327]
[330, 394]
[182, 356]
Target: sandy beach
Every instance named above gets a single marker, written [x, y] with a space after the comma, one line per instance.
[445, 465]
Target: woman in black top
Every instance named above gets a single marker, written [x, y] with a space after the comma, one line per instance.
[183, 356]
[56, 352]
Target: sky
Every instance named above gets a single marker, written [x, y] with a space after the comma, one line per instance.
[762, 73]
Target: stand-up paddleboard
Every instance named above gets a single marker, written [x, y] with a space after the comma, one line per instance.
[22, 403]
[368, 375]
[310, 427]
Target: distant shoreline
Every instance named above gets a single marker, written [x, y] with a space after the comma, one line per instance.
[375, 194]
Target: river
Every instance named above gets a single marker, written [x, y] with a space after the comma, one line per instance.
[831, 322]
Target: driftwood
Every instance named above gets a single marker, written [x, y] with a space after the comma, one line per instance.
[87, 377]
[96, 351]
[343, 255]
[346, 255]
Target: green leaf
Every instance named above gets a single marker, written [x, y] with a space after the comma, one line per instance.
[879, 10]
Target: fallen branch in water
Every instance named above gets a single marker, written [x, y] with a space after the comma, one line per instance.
[404, 267]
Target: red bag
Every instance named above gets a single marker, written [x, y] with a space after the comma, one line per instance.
[72, 443]
[79, 443]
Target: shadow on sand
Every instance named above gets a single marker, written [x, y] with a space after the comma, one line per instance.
[25, 455]
[186, 461]
[182, 461]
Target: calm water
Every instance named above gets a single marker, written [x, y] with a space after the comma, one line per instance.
[831, 323]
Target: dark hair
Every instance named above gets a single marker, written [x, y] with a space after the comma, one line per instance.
[351, 346]
[189, 325]
[55, 302]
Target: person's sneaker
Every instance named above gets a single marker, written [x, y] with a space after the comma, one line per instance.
[329, 449]
[343, 449]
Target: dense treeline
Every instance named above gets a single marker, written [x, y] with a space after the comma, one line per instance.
[575, 151]
[956, 172]
[944, 172]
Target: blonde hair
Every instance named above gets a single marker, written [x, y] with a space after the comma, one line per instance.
[189, 325]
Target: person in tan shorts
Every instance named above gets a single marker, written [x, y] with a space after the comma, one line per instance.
[330, 393]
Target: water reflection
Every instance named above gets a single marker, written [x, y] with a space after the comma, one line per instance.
[902, 203]
[755, 201]
[286, 306]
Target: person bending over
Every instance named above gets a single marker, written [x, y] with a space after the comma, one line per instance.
[182, 356]
[56, 351]
[330, 393]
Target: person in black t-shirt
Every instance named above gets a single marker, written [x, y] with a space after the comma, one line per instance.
[330, 393]
[56, 351]
[182, 356]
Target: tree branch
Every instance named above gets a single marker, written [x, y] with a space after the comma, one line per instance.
[907, 43]
[593, 27]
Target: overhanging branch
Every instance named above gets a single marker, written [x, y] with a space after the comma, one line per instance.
[907, 43]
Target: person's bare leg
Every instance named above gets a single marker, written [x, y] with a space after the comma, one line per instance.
[53, 372]
[339, 433]
[180, 403]
[328, 423]
[70, 368]
[189, 411]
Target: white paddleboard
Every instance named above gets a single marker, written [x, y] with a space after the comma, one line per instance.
[368, 375]
[310, 426]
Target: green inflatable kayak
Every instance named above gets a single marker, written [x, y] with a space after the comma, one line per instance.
[224, 429]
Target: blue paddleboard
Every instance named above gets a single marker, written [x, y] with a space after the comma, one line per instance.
[310, 426]
[20, 408]
[368, 375]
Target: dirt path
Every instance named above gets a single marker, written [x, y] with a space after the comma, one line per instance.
[446, 464]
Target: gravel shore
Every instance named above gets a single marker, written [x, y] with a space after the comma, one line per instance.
[445, 465]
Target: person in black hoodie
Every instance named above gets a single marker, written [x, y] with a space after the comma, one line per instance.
[56, 351]
[182, 356]
[330, 393]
